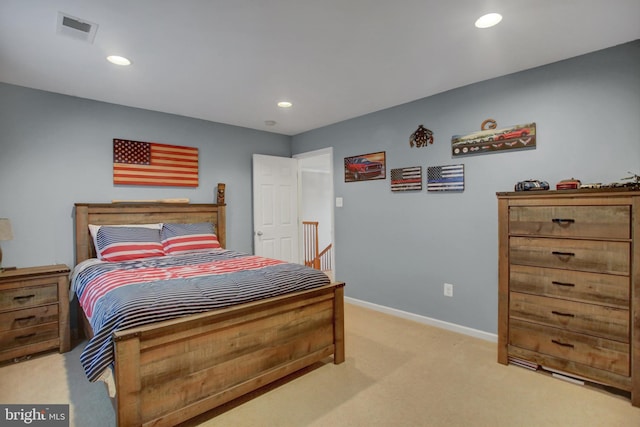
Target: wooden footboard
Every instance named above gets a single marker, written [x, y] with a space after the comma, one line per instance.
[171, 371]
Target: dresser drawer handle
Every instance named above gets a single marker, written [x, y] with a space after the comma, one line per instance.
[24, 337]
[563, 344]
[563, 284]
[23, 297]
[563, 314]
[24, 319]
[561, 221]
[563, 253]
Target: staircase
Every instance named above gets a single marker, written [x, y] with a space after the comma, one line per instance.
[320, 260]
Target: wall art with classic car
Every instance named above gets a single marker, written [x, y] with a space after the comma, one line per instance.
[518, 137]
[365, 167]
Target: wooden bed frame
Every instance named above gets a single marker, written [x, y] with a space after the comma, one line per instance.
[168, 372]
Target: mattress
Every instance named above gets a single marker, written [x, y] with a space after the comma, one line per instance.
[122, 295]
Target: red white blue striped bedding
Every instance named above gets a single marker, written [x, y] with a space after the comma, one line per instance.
[122, 295]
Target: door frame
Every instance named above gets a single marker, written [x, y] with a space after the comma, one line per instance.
[315, 153]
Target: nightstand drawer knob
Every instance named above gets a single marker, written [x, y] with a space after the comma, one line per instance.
[24, 297]
[24, 337]
[24, 319]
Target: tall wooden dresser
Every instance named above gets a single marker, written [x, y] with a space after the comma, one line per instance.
[569, 283]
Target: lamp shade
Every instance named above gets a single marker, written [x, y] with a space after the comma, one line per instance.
[5, 229]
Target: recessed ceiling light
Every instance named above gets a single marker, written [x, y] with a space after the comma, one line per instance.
[118, 60]
[488, 20]
[270, 122]
[285, 104]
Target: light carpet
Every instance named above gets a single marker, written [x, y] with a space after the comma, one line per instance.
[397, 373]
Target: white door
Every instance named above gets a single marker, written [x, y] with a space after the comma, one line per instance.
[275, 207]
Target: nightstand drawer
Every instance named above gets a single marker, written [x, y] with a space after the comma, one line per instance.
[600, 353]
[604, 289]
[30, 335]
[12, 299]
[592, 319]
[18, 319]
[584, 255]
[609, 222]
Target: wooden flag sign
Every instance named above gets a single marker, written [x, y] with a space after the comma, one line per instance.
[148, 163]
[445, 178]
[406, 179]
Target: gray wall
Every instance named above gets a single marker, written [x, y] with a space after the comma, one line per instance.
[397, 249]
[56, 150]
[392, 249]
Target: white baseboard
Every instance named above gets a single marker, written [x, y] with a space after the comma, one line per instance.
[426, 320]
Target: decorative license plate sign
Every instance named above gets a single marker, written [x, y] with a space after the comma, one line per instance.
[519, 137]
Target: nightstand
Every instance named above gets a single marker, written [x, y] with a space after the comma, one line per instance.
[34, 311]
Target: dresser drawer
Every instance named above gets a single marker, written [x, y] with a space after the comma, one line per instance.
[606, 322]
[30, 335]
[600, 353]
[28, 317]
[605, 289]
[16, 298]
[583, 255]
[610, 222]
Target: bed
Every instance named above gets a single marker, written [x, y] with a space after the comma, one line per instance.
[172, 370]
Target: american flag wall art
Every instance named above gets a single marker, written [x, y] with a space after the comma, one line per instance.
[149, 163]
[445, 178]
[406, 179]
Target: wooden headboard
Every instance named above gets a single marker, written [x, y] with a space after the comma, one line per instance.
[142, 213]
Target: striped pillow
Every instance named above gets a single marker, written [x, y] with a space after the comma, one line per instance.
[126, 243]
[184, 238]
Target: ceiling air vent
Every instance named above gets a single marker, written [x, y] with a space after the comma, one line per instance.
[76, 28]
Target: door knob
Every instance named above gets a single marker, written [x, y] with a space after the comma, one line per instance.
[259, 233]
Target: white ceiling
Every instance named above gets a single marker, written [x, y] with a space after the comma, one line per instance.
[230, 61]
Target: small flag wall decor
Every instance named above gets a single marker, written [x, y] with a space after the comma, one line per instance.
[406, 179]
[445, 178]
[149, 163]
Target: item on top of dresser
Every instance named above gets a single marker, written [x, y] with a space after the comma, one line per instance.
[634, 181]
[531, 184]
[613, 185]
[568, 184]
[591, 185]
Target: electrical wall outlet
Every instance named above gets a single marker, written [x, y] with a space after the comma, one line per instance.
[448, 290]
